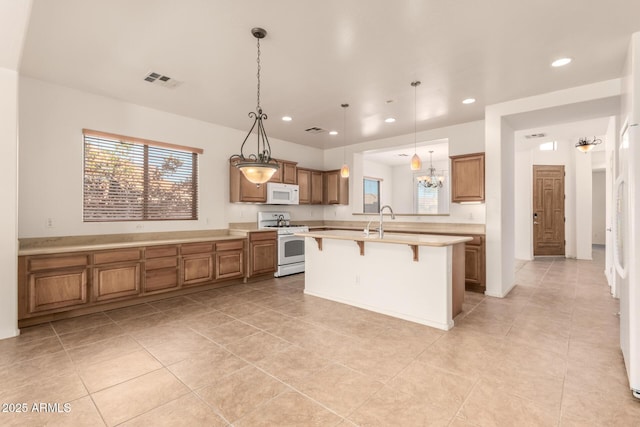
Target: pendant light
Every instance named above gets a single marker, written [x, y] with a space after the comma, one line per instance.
[416, 163]
[585, 145]
[258, 168]
[344, 171]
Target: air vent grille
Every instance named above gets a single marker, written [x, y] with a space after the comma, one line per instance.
[536, 135]
[162, 80]
[315, 130]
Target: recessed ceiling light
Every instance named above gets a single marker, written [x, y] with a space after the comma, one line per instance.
[333, 132]
[286, 119]
[560, 62]
[469, 101]
[389, 120]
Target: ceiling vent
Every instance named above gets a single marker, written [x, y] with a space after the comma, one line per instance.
[315, 130]
[161, 80]
[536, 135]
[403, 155]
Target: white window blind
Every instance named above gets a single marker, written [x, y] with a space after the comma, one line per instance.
[130, 179]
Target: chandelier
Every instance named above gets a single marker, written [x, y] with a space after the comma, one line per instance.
[258, 168]
[585, 145]
[432, 180]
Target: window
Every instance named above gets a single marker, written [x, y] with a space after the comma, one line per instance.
[426, 199]
[371, 196]
[549, 146]
[131, 179]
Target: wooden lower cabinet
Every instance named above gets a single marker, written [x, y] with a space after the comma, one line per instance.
[229, 260]
[116, 281]
[161, 268]
[52, 290]
[263, 253]
[61, 285]
[197, 269]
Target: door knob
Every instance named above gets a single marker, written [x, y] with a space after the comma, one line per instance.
[535, 222]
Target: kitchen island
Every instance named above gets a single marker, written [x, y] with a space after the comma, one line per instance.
[413, 277]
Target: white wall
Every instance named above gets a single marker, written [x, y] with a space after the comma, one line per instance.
[51, 121]
[14, 16]
[8, 215]
[463, 139]
[598, 202]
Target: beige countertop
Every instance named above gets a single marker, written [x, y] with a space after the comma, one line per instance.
[397, 238]
[52, 245]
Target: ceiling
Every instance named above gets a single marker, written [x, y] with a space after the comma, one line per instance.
[318, 55]
[398, 156]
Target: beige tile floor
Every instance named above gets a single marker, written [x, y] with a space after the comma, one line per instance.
[264, 354]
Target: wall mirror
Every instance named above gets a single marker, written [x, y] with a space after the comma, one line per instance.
[387, 179]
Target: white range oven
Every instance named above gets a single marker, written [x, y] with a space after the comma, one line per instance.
[290, 247]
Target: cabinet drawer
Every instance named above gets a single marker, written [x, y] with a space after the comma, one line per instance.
[116, 256]
[154, 264]
[228, 246]
[265, 235]
[51, 262]
[197, 248]
[161, 251]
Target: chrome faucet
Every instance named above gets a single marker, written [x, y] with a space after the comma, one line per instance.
[393, 216]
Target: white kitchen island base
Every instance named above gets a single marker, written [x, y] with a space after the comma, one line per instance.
[406, 276]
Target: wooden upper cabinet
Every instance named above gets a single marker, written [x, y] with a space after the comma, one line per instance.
[467, 178]
[286, 174]
[311, 186]
[317, 186]
[335, 188]
[304, 184]
[242, 190]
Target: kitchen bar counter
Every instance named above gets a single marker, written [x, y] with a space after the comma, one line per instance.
[410, 276]
[389, 237]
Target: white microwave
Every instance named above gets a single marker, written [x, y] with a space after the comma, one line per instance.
[282, 194]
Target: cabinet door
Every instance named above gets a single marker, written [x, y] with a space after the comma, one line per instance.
[467, 178]
[229, 264]
[278, 175]
[304, 184]
[264, 257]
[331, 188]
[197, 268]
[336, 188]
[116, 281]
[472, 264]
[316, 188]
[57, 289]
[289, 175]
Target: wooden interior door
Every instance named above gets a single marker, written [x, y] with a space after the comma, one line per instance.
[548, 210]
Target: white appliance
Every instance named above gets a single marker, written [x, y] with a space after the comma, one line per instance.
[282, 194]
[626, 250]
[290, 247]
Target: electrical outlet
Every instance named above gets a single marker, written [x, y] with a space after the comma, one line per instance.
[139, 226]
[50, 222]
[357, 279]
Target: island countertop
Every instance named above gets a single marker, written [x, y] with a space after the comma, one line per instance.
[389, 237]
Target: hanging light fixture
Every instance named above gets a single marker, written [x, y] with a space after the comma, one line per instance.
[585, 145]
[258, 168]
[416, 163]
[432, 180]
[344, 171]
